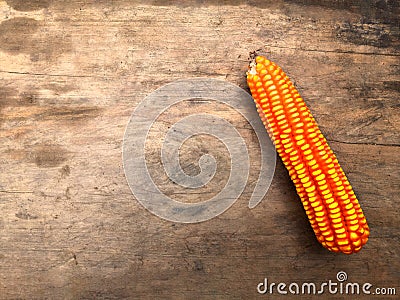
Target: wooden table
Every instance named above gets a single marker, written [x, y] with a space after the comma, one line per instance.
[72, 72]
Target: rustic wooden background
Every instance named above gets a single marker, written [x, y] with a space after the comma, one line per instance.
[71, 74]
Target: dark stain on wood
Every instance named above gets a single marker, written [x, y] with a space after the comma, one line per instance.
[48, 155]
[7, 95]
[376, 35]
[370, 10]
[40, 45]
[69, 113]
[59, 87]
[21, 42]
[392, 85]
[23, 5]
[27, 99]
[198, 266]
[65, 171]
[24, 215]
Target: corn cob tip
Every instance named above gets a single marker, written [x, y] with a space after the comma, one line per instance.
[252, 64]
[253, 55]
[252, 68]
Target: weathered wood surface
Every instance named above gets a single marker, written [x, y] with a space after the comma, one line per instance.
[73, 71]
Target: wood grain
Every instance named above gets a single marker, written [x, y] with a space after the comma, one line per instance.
[71, 73]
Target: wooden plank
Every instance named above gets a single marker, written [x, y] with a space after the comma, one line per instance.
[71, 75]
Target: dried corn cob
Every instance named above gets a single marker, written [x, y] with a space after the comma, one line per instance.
[327, 196]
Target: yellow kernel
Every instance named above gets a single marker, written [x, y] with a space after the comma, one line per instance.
[354, 227]
[296, 120]
[341, 193]
[322, 153]
[335, 216]
[325, 192]
[281, 122]
[346, 201]
[310, 189]
[307, 152]
[277, 107]
[326, 233]
[299, 137]
[296, 114]
[335, 210]
[316, 203]
[340, 230]
[322, 224]
[273, 93]
[318, 208]
[333, 205]
[351, 211]
[312, 199]
[304, 180]
[324, 157]
[308, 184]
[267, 77]
[302, 175]
[261, 59]
[312, 162]
[342, 242]
[329, 238]
[309, 157]
[312, 135]
[286, 130]
[298, 167]
[280, 117]
[305, 147]
[325, 228]
[351, 217]
[293, 158]
[315, 173]
[268, 83]
[331, 171]
[323, 187]
[300, 142]
[312, 194]
[353, 222]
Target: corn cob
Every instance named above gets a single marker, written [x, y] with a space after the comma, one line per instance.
[327, 196]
